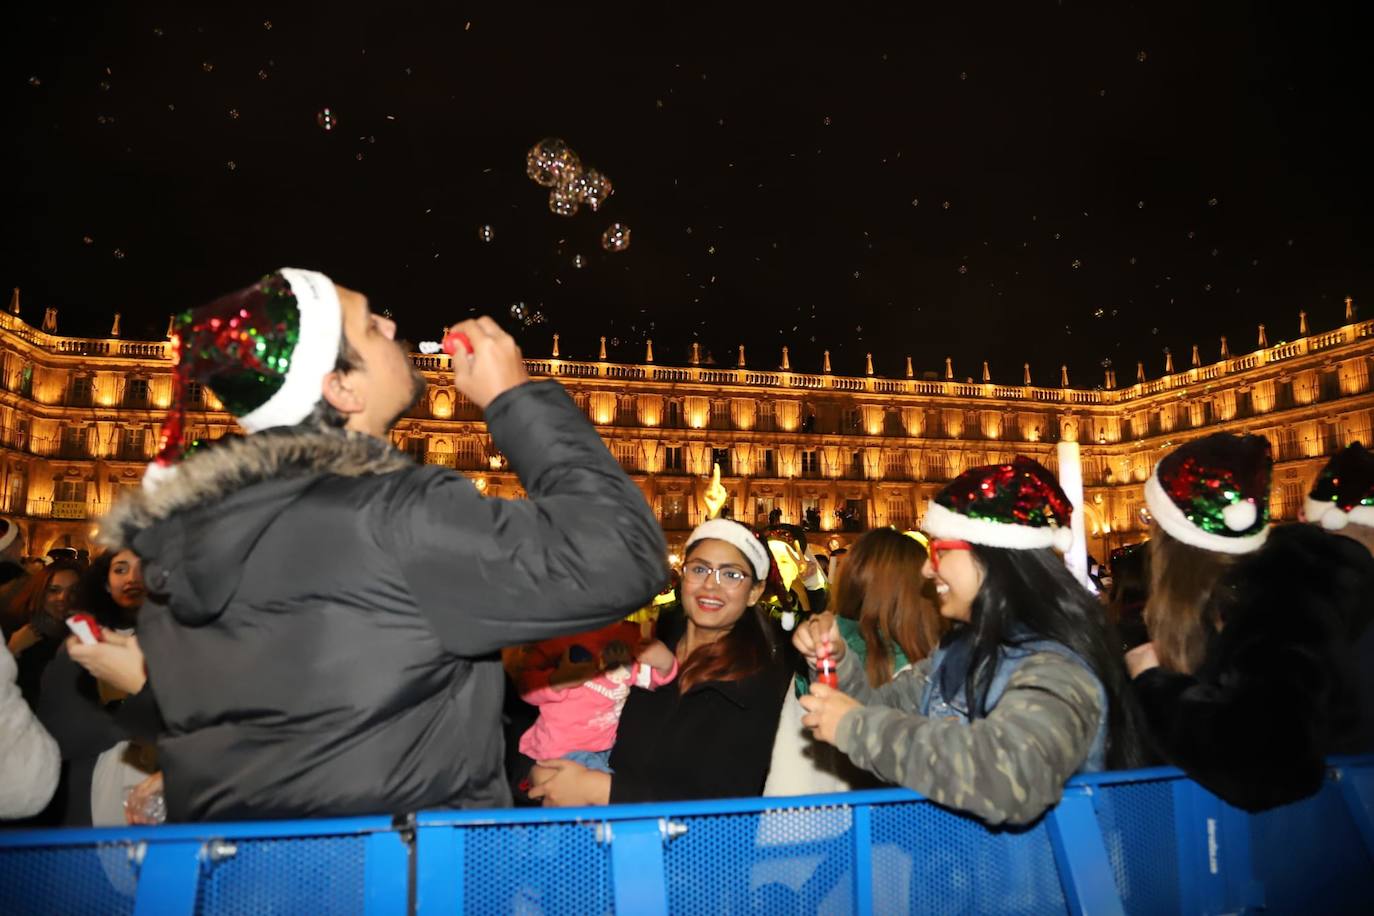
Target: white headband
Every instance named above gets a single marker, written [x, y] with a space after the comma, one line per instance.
[737, 536]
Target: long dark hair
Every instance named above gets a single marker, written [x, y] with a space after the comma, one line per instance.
[1030, 594]
[93, 594]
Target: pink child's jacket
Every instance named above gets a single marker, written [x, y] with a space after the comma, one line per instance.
[584, 717]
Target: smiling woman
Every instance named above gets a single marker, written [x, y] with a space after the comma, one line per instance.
[709, 734]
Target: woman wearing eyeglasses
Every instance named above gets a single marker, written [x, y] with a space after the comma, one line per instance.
[1026, 689]
[709, 733]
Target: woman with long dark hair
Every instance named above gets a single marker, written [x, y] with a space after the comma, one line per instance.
[1027, 688]
[708, 734]
[1250, 678]
[37, 613]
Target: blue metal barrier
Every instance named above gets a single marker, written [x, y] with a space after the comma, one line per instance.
[1145, 841]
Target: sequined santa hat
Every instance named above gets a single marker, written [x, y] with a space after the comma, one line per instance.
[1344, 491]
[1213, 493]
[1018, 505]
[263, 351]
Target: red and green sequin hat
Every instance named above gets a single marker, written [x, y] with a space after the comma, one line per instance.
[1213, 493]
[1018, 506]
[1344, 491]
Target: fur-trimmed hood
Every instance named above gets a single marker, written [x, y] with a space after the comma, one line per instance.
[196, 529]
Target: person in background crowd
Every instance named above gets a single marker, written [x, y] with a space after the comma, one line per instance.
[1130, 589]
[94, 703]
[33, 564]
[887, 619]
[12, 567]
[326, 614]
[1342, 502]
[837, 563]
[36, 619]
[1249, 679]
[29, 758]
[709, 733]
[1026, 690]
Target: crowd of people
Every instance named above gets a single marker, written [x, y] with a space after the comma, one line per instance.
[302, 622]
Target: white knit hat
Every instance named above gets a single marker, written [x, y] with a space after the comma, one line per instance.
[738, 536]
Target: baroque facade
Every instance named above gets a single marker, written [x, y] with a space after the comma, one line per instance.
[79, 419]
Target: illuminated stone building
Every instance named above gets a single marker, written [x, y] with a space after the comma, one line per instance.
[79, 418]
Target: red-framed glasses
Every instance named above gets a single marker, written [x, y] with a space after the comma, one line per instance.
[939, 546]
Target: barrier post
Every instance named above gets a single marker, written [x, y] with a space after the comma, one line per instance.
[637, 865]
[1085, 871]
[168, 878]
[861, 825]
[438, 870]
[1215, 871]
[1357, 789]
[386, 879]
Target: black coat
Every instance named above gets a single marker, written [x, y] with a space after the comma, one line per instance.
[325, 616]
[1278, 689]
[715, 741]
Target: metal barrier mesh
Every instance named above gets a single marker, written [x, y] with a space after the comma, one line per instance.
[787, 861]
[1311, 857]
[301, 875]
[76, 880]
[536, 868]
[1137, 821]
[929, 860]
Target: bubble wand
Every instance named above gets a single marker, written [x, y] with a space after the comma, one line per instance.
[452, 341]
[825, 666]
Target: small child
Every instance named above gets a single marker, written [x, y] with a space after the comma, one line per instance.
[580, 700]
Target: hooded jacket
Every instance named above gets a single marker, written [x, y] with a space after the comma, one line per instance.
[324, 615]
[1277, 690]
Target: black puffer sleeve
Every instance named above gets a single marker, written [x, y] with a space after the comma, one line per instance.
[583, 550]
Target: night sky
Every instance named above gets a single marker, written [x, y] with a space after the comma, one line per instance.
[1025, 181]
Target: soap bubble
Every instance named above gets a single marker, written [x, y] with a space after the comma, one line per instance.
[562, 201]
[551, 162]
[579, 262]
[119, 254]
[616, 237]
[518, 311]
[326, 119]
[485, 233]
[207, 66]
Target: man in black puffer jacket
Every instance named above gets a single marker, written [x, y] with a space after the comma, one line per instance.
[325, 615]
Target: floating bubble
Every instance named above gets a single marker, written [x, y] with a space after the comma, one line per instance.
[826, 121]
[1212, 202]
[616, 237]
[551, 162]
[234, 114]
[562, 201]
[518, 311]
[119, 254]
[963, 268]
[326, 118]
[358, 156]
[710, 249]
[207, 66]
[1207, 287]
[87, 239]
[1077, 263]
[232, 165]
[485, 233]
[579, 262]
[1154, 330]
[1133, 259]
[915, 201]
[963, 76]
[1142, 56]
[1099, 313]
[105, 85]
[1140, 205]
[857, 275]
[945, 205]
[158, 32]
[35, 82]
[1106, 363]
[104, 119]
[1144, 516]
[1192, 234]
[267, 24]
[592, 188]
[615, 341]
